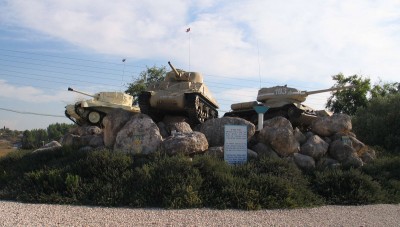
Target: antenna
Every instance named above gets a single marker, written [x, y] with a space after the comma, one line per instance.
[188, 31]
[259, 70]
[123, 73]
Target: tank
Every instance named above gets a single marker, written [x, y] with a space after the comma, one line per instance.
[281, 101]
[92, 111]
[180, 93]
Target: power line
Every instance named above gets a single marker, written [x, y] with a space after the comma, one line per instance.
[31, 113]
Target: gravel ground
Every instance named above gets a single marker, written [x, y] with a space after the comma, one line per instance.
[22, 214]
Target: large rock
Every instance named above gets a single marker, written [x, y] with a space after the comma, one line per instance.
[214, 129]
[264, 150]
[340, 150]
[326, 162]
[85, 130]
[52, 146]
[185, 143]
[278, 132]
[216, 152]
[303, 161]
[73, 140]
[314, 147]
[328, 126]
[139, 135]
[113, 123]
[300, 137]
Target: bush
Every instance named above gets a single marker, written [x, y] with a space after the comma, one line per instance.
[379, 121]
[218, 180]
[104, 175]
[386, 171]
[347, 187]
[170, 182]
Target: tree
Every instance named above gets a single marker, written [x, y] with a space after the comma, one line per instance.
[378, 123]
[383, 90]
[145, 78]
[348, 100]
[57, 130]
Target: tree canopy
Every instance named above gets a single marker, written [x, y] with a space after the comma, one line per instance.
[145, 78]
[348, 100]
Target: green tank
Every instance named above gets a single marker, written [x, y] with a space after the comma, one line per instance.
[281, 101]
[180, 93]
[92, 111]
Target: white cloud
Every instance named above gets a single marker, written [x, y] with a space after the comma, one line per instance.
[296, 40]
[30, 94]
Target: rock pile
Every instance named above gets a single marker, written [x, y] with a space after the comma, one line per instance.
[328, 143]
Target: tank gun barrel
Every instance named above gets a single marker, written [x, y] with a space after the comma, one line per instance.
[329, 89]
[83, 93]
[178, 75]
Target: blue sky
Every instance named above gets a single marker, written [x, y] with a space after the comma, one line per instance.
[239, 46]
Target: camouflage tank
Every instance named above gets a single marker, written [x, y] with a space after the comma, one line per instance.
[281, 101]
[180, 93]
[92, 111]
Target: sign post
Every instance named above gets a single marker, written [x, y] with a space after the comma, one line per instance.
[235, 145]
[260, 109]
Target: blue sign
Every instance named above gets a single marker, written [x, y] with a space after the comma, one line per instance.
[260, 108]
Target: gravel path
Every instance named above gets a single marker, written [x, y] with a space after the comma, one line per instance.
[21, 214]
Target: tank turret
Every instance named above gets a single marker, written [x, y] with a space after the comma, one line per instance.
[180, 93]
[281, 101]
[92, 111]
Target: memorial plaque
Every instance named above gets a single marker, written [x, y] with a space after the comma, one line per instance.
[235, 145]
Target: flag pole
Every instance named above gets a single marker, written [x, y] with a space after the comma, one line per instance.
[188, 31]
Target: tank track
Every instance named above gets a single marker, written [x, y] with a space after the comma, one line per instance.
[145, 108]
[198, 109]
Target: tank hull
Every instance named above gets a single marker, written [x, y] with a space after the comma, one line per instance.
[298, 114]
[92, 111]
[181, 93]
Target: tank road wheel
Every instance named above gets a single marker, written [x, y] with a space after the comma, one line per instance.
[94, 117]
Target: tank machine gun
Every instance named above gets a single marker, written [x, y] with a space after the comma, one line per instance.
[92, 111]
[181, 93]
[281, 101]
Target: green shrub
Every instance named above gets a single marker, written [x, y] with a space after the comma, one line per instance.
[378, 123]
[170, 182]
[215, 190]
[104, 175]
[347, 187]
[386, 171]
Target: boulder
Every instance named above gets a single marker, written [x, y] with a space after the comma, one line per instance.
[264, 150]
[326, 162]
[353, 161]
[187, 143]
[174, 124]
[113, 123]
[52, 146]
[300, 137]
[304, 162]
[340, 150]
[216, 152]
[314, 147]
[278, 132]
[366, 154]
[95, 140]
[85, 130]
[139, 135]
[251, 154]
[328, 126]
[163, 129]
[214, 129]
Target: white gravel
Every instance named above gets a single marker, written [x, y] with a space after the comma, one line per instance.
[22, 214]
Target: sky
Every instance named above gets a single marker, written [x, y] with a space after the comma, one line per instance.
[239, 46]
